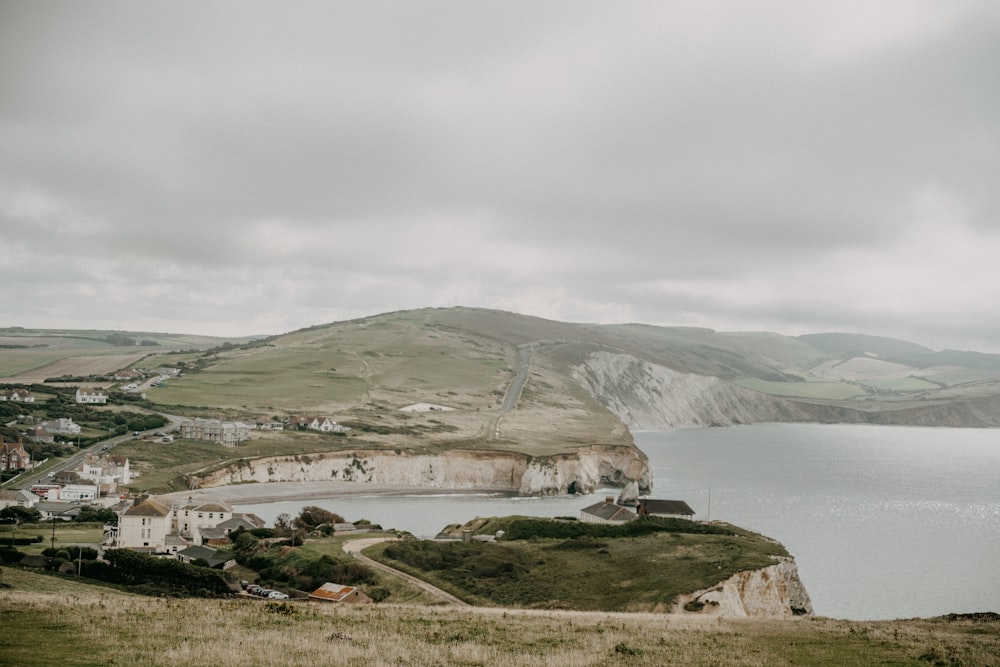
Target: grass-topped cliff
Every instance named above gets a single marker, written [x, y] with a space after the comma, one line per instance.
[558, 564]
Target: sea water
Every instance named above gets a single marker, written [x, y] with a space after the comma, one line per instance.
[883, 521]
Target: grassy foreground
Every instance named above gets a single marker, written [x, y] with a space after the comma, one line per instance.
[50, 621]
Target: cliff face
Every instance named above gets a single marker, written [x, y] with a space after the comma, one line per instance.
[651, 397]
[772, 592]
[580, 472]
[647, 396]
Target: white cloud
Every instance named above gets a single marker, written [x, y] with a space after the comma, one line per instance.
[245, 168]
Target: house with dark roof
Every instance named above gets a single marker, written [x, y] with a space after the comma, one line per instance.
[52, 510]
[672, 509]
[209, 555]
[39, 435]
[329, 592]
[17, 395]
[607, 512]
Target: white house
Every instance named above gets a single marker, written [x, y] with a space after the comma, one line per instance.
[18, 497]
[145, 526]
[324, 424]
[62, 426]
[17, 395]
[81, 489]
[229, 434]
[107, 472]
[152, 525]
[91, 395]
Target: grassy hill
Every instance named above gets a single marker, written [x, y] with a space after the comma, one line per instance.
[364, 372]
[641, 566]
[58, 621]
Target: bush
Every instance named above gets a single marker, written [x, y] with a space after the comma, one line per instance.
[134, 568]
[20, 541]
[310, 517]
[378, 594]
[72, 552]
[10, 555]
[524, 529]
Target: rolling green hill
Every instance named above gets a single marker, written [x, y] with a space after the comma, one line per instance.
[467, 359]
[436, 379]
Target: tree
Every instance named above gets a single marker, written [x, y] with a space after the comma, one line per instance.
[17, 515]
[283, 522]
[89, 513]
[312, 517]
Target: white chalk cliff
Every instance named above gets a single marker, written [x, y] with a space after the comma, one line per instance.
[582, 471]
[650, 397]
[771, 592]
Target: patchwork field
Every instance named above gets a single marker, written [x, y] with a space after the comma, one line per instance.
[28, 356]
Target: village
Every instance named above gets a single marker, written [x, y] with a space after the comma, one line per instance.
[189, 530]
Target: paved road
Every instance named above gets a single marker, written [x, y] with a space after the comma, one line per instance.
[354, 547]
[514, 392]
[27, 479]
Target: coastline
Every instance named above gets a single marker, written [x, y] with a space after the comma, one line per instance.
[271, 492]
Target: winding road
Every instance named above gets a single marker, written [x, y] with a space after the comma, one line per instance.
[353, 548]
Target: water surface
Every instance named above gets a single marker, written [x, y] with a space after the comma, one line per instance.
[884, 521]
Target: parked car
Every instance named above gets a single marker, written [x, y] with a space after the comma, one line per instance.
[277, 595]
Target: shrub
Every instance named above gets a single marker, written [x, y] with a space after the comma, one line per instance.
[378, 594]
[525, 529]
[10, 555]
[133, 568]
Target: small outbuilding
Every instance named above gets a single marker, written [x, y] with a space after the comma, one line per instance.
[329, 592]
[607, 512]
[671, 509]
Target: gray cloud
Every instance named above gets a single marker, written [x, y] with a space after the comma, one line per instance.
[246, 168]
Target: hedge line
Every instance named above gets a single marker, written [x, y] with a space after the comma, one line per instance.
[524, 529]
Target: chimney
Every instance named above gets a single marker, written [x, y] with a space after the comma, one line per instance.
[610, 500]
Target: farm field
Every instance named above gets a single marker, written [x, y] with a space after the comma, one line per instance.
[814, 390]
[28, 356]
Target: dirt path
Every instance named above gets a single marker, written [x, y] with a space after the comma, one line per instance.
[354, 547]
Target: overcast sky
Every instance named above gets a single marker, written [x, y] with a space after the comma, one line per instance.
[253, 168]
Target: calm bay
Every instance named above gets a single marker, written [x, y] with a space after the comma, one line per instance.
[884, 522]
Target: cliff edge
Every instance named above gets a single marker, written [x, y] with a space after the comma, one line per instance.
[771, 592]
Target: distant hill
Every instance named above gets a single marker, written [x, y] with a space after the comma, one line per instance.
[537, 386]
[899, 351]
[583, 383]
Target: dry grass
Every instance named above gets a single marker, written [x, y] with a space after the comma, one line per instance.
[84, 625]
